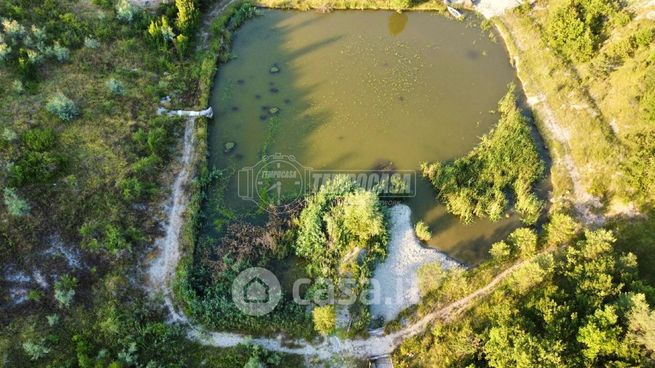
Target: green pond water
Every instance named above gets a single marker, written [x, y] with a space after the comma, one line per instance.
[359, 88]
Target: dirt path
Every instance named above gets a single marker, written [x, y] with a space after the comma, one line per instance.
[161, 274]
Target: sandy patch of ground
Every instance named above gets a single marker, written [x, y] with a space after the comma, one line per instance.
[493, 8]
[396, 278]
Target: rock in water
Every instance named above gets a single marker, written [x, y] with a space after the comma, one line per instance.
[274, 110]
[229, 147]
[274, 69]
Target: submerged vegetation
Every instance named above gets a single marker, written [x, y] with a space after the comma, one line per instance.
[506, 161]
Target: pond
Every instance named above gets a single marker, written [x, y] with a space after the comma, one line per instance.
[354, 90]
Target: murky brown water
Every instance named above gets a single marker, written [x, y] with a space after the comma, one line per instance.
[358, 88]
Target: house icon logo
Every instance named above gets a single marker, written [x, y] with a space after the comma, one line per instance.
[256, 291]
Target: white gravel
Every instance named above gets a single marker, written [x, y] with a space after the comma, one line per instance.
[493, 8]
[395, 280]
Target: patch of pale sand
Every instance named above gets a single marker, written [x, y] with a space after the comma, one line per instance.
[493, 8]
[395, 281]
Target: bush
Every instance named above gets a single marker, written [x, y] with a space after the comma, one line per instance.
[60, 53]
[63, 107]
[524, 241]
[339, 219]
[500, 251]
[506, 160]
[577, 28]
[325, 319]
[423, 231]
[36, 350]
[91, 43]
[125, 11]
[115, 87]
[15, 205]
[65, 290]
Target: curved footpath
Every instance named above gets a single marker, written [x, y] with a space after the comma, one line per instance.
[161, 272]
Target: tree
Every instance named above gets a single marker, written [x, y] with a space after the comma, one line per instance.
[340, 222]
[524, 241]
[325, 319]
[500, 251]
[641, 324]
[560, 230]
[601, 334]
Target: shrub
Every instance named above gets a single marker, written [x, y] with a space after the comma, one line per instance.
[500, 251]
[645, 37]
[647, 104]
[63, 107]
[36, 350]
[125, 11]
[423, 231]
[525, 241]
[15, 205]
[61, 53]
[325, 319]
[91, 43]
[560, 230]
[13, 29]
[187, 15]
[506, 159]
[339, 219]
[5, 51]
[65, 290]
[115, 87]
[18, 87]
[401, 4]
[9, 135]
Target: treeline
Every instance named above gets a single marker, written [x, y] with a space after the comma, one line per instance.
[505, 162]
[578, 306]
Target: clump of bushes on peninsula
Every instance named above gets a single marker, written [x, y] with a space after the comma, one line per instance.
[504, 167]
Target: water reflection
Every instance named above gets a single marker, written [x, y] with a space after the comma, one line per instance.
[397, 23]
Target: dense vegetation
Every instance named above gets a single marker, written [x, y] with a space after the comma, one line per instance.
[506, 161]
[577, 28]
[83, 153]
[579, 306]
[342, 235]
[84, 158]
